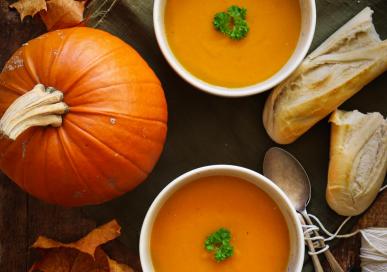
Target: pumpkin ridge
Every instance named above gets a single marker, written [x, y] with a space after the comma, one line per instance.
[29, 66]
[89, 67]
[62, 134]
[5, 151]
[12, 91]
[109, 147]
[33, 77]
[134, 134]
[45, 179]
[114, 85]
[119, 115]
[115, 189]
[60, 48]
[23, 183]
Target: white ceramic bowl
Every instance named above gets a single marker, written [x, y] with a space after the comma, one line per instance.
[295, 230]
[308, 23]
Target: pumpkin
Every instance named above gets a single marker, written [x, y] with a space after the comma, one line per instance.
[84, 118]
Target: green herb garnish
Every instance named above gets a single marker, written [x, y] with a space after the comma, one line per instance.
[219, 242]
[232, 23]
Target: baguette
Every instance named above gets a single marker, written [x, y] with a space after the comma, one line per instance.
[331, 74]
[358, 161]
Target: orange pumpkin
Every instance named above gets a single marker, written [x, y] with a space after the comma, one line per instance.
[94, 124]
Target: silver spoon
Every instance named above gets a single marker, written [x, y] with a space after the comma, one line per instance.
[286, 171]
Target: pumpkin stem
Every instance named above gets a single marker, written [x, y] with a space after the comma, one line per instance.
[39, 107]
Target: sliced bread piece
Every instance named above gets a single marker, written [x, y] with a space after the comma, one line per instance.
[358, 160]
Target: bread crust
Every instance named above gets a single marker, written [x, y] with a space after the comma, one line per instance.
[358, 161]
[339, 68]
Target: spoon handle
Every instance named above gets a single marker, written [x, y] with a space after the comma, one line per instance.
[335, 266]
[315, 259]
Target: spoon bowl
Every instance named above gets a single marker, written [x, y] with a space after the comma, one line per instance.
[287, 172]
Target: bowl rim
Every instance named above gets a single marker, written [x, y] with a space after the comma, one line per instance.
[206, 171]
[277, 78]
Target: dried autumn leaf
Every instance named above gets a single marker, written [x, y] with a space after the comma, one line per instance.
[29, 7]
[69, 259]
[87, 244]
[117, 267]
[63, 13]
[84, 255]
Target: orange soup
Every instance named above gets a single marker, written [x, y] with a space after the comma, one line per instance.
[216, 59]
[259, 233]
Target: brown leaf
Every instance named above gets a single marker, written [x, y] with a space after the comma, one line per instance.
[117, 267]
[29, 7]
[68, 259]
[84, 255]
[87, 244]
[63, 13]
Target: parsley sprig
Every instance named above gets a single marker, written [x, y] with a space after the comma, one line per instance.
[232, 23]
[219, 242]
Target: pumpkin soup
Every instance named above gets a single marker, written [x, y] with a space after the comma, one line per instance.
[248, 221]
[268, 41]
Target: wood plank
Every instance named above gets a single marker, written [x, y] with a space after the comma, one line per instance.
[348, 250]
[13, 227]
[58, 223]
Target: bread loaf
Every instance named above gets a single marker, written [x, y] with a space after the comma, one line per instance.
[336, 70]
[358, 160]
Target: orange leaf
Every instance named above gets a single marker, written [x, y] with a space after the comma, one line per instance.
[87, 244]
[63, 13]
[29, 7]
[84, 255]
[117, 267]
[68, 259]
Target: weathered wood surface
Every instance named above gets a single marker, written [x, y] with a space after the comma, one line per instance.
[233, 134]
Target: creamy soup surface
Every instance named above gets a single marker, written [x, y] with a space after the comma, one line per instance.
[259, 232]
[216, 59]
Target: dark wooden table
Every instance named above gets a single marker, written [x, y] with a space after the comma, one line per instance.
[233, 134]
